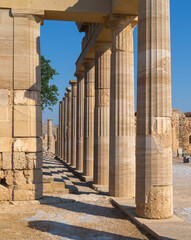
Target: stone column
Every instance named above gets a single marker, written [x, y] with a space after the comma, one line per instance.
[59, 130]
[73, 83]
[20, 108]
[80, 121]
[63, 130]
[69, 120]
[89, 105]
[65, 137]
[102, 110]
[51, 141]
[154, 137]
[122, 120]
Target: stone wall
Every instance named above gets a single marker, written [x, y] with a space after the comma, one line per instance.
[181, 131]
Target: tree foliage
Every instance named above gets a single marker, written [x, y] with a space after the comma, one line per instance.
[49, 93]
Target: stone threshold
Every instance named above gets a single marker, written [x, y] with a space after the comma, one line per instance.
[173, 228]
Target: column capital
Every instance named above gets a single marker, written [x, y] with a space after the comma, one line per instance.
[73, 82]
[66, 95]
[121, 21]
[68, 89]
[63, 99]
[89, 63]
[103, 46]
[79, 75]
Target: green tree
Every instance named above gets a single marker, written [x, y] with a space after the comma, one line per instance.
[49, 93]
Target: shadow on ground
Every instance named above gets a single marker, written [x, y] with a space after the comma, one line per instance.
[79, 233]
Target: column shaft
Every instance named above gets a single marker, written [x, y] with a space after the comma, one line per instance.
[80, 122]
[154, 137]
[63, 129]
[59, 131]
[66, 127]
[69, 120]
[73, 119]
[102, 110]
[89, 105]
[51, 142]
[122, 120]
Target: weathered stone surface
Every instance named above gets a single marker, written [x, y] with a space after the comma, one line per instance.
[34, 160]
[154, 112]
[27, 121]
[122, 122]
[27, 192]
[7, 160]
[33, 176]
[4, 193]
[28, 145]
[102, 113]
[9, 177]
[19, 178]
[19, 160]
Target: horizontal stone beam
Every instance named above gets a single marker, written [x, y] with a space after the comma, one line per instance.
[65, 10]
[73, 10]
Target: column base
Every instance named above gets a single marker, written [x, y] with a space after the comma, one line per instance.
[158, 204]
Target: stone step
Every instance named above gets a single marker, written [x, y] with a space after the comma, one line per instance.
[55, 179]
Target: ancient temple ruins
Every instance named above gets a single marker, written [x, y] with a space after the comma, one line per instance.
[97, 122]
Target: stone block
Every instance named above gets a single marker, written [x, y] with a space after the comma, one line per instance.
[27, 98]
[19, 178]
[5, 121]
[31, 145]
[7, 160]
[33, 176]
[27, 121]
[34, 160]
[5, 194]
[19, 160]
[9, 177]
[5, 144]
[26, 195]
[1, 161]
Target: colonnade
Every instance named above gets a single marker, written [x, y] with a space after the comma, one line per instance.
[106, 144]
[96, 117]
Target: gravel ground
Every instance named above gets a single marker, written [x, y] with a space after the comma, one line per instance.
[82, 216]
[182, 189]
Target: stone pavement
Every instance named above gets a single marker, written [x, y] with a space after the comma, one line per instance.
[85, 215]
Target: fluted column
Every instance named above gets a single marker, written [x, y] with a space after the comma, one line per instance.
[80, 121]
[66, 127]
[89, 105]
[63, 129]
[73, 119]
[59, 130]
[122, 121]
[102, 110]
[154, 137]
[69, 120]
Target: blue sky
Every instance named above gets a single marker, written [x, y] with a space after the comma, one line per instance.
[61, 43]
